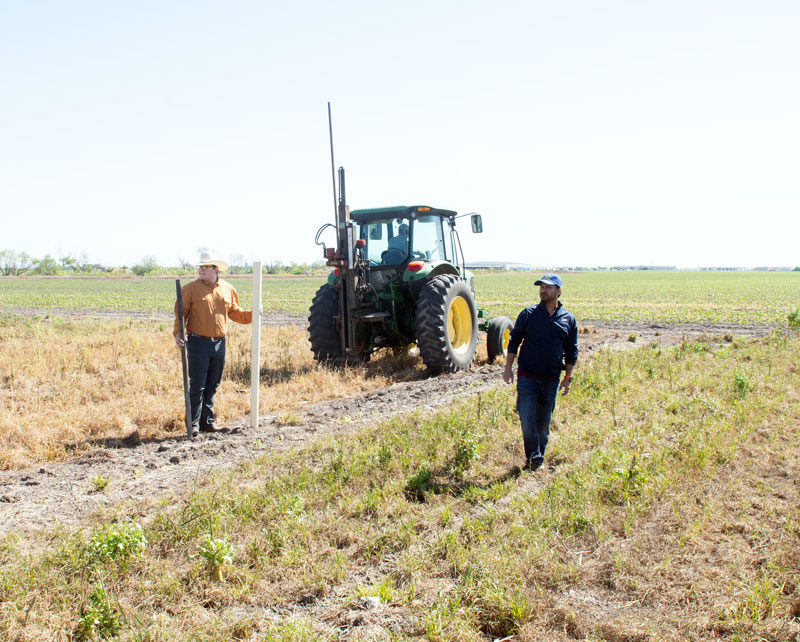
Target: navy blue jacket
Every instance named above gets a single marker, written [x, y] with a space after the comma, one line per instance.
[547, 341]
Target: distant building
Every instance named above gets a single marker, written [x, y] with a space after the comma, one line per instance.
[721, 269]
[654, 268]
[498, 265]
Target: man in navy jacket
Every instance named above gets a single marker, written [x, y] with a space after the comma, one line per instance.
[549, 338]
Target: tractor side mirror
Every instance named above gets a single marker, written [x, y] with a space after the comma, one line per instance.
[477, 223]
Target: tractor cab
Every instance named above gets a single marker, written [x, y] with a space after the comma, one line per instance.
[396, 236]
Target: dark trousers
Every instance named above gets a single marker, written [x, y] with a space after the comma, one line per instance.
[206, 360]
[535, 403]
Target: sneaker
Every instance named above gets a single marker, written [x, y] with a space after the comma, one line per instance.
[532, 464]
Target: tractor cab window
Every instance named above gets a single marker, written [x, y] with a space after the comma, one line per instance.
[387, 241]
[429, 239]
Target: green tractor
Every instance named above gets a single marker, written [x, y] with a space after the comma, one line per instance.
[399, 282]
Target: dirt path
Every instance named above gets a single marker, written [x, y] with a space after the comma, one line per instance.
[65, 493]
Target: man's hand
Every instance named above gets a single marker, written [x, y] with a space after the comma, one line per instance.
[565, 384]
[179, 342]
[508, 374]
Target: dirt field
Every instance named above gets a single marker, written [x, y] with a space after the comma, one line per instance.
[146, 471]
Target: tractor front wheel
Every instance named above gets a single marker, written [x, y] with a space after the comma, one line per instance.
[447, 324]
[497, 336]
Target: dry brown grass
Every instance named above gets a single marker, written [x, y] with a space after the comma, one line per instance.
[67, 386]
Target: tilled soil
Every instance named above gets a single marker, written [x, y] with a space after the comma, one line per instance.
[65, 493]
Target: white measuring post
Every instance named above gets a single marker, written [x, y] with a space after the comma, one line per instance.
[255, 358]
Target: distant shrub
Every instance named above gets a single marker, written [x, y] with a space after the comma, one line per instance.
[145, 266]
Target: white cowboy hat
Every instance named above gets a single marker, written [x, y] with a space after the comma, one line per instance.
[211, 258]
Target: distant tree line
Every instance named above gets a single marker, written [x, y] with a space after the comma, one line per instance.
[18, 263]
[14, 263]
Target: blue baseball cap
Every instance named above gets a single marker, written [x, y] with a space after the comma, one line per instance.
[549, 279]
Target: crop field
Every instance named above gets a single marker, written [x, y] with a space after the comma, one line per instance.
[738, 298]
[287, 295]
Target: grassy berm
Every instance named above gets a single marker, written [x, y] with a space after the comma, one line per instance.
[669, 511]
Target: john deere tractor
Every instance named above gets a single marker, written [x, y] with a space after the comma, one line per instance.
[399, 281]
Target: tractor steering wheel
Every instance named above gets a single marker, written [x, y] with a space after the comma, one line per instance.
[393, 256]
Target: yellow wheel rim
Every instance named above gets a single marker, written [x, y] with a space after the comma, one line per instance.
[459, 325]
[506, 337]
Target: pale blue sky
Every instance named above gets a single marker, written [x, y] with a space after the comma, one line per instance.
[585, 133]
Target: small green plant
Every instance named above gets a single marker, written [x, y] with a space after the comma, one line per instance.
[288, 419]
[759, 603]
[794, 319]
[632, 337]
[216, 553]
[98, 618]
[384, 454]
[419, 484]
[118, 542]
[446, 516]
[466, 451]
[383, 590]
[741, 385]
[372, 502]
[501, 612]
[100, 482]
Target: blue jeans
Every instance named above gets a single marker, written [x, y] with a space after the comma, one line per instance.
[535, 402]
[206, 359]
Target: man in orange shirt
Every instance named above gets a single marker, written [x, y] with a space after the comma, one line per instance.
[208, 303]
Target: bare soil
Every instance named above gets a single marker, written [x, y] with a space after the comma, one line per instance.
[137, 470]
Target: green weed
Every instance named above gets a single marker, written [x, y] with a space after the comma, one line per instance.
[760, 602]
[98, 618]
[116, 542]
[419, 484]
[215, 554]
[794, 319]
[100, 483]
[383, 590]
[742, 384]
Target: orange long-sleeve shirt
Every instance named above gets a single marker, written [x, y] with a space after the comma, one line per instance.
[207, 307]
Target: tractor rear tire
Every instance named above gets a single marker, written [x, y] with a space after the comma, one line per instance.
[497, 336]
[447, 325]
[323, 333]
